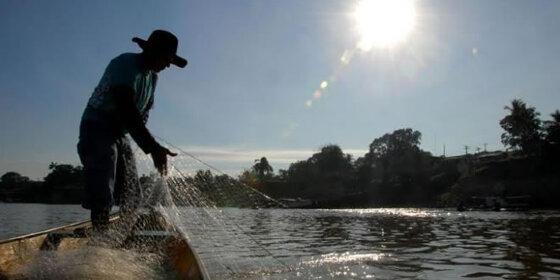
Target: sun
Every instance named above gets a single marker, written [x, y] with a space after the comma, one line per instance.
[384, 23]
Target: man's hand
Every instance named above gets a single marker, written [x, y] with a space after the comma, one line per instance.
[159, 156]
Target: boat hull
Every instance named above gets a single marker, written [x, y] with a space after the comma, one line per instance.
[73, 243]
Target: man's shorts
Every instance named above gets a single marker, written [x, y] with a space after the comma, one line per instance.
[109, 167]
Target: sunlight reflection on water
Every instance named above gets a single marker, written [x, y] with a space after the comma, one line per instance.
[342, 258]
[389, 243]
[412, 212]
[383, 243]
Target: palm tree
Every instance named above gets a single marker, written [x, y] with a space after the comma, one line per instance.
[262, 168]
[522, 127]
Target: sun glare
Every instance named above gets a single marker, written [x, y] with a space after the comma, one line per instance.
[384, 23]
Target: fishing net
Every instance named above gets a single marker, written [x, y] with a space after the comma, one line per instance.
[193, 199]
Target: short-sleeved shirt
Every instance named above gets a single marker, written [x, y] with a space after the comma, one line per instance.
[126, 69]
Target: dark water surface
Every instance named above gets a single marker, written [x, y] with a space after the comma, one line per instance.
[350, 244]
[23, 218]
[388, 244]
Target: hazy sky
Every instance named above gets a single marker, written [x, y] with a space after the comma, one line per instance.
[253, 66]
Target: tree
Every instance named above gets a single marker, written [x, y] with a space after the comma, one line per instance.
[64, 175]
[392, 152]
[17, 188]
[299, 175]
[250, 178]
[13, 178]
[327, 174]
[522, 127]
[393, 166]
[552, 129]
[331, 159]
[262, 168]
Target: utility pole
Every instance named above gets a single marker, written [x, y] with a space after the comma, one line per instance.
[435, 143]
[443, 150]
[485, 144]
[466, 150]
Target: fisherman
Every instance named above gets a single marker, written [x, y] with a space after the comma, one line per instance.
[119, 106]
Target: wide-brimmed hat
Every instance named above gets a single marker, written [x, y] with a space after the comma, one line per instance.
[164, 43]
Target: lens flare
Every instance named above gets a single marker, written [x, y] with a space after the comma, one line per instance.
[380, 24]
[317, 94]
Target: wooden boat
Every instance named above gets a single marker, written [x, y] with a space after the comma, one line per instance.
[149, 235]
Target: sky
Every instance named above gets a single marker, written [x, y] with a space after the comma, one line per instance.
[250, 88]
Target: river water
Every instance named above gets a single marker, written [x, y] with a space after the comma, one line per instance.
[383, 243]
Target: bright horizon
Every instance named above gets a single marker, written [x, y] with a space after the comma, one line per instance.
[280, 79]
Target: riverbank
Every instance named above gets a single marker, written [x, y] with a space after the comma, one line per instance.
[438, 182]
[449, 182]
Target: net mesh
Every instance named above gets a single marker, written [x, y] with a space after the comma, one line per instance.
[192, 199]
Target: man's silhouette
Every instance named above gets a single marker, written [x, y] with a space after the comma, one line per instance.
[119, 106]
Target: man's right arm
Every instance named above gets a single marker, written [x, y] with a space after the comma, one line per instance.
[132, 120]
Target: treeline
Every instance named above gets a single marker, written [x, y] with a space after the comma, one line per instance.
[530, 169]
[396, 172]
[62, 185]
[203, 189]
[526, 133]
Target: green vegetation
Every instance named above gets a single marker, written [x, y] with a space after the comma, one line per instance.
[326, 175]
[63, 185]
[394, 172]
[522, 127]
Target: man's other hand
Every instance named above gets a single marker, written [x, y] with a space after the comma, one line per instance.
[159, 156]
